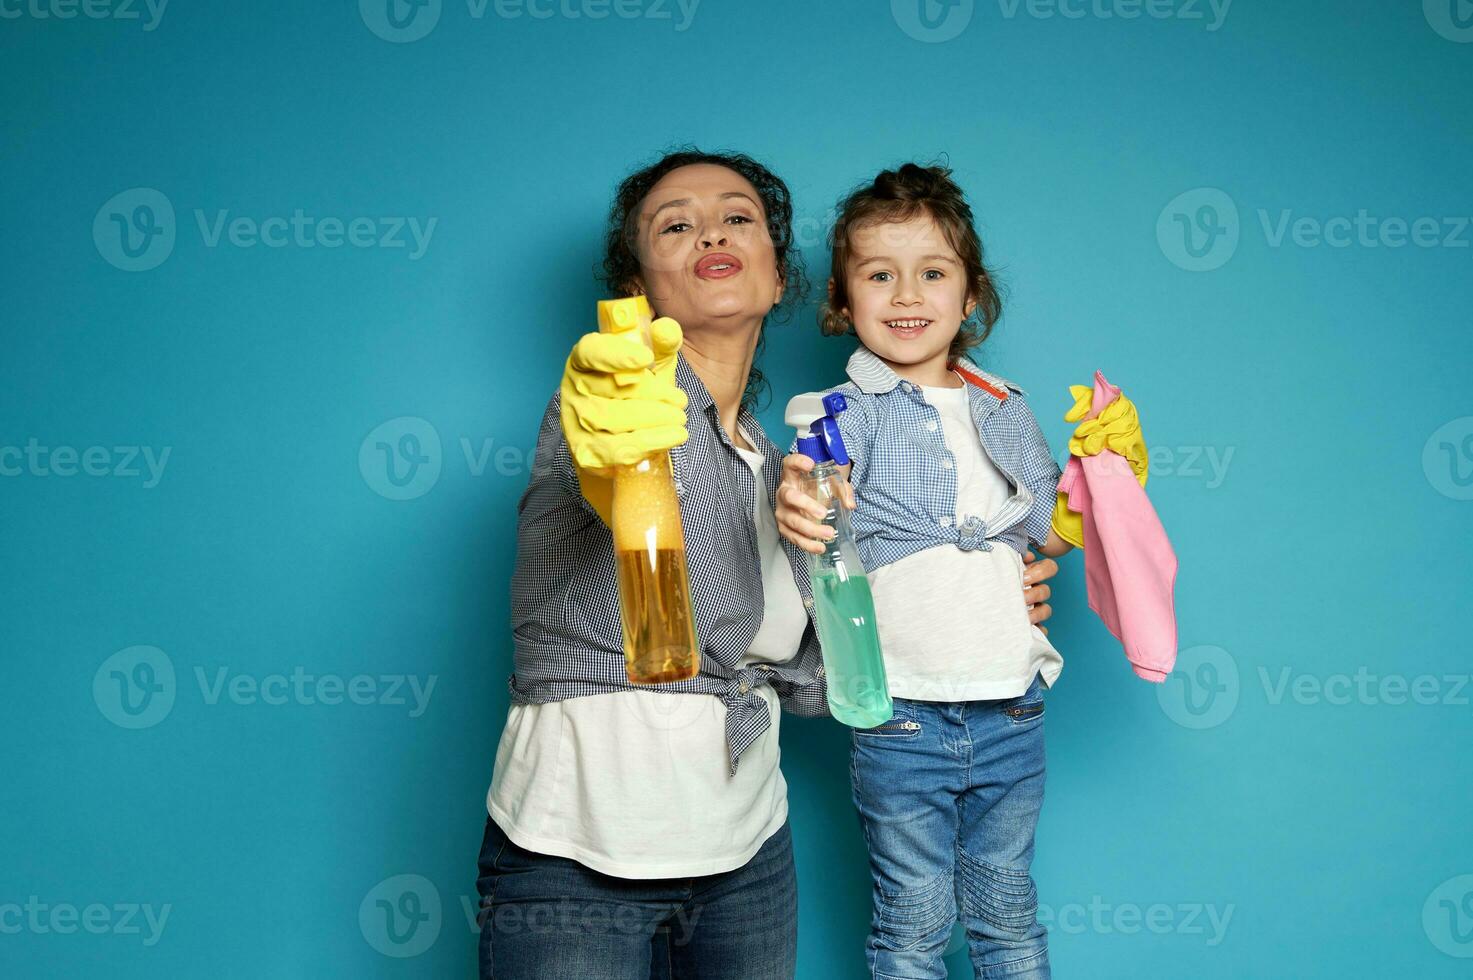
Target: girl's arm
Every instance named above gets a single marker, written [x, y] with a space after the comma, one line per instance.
[1055, 545]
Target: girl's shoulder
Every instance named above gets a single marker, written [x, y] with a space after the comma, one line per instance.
[966, 366]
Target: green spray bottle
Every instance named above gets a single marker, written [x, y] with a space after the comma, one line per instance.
[843, 605]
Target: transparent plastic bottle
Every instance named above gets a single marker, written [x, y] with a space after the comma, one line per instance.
[843, 604]
[660, 643]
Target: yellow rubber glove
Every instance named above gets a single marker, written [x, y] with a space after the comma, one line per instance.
[620, 403]
[1118, 429]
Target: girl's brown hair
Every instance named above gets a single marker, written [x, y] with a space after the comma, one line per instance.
[899, 195]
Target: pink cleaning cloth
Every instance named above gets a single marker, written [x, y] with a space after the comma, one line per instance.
[1129, 565]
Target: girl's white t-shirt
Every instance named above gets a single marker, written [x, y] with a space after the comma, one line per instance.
[953, 624]
[636, 783]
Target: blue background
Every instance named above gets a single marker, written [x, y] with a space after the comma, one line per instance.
[1325, 547]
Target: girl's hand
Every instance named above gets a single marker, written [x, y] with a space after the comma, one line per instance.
[1036, 573]
[799, 516]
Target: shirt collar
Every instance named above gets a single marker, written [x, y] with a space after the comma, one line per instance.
[700, 400]
[874, 377]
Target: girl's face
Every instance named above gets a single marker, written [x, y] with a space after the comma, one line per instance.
[907, 293]
[705, 253]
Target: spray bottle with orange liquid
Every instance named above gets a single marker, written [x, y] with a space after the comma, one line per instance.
[660, 643]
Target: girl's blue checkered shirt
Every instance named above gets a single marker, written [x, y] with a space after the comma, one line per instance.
[904, 477]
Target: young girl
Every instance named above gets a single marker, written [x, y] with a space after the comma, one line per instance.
[952, 481]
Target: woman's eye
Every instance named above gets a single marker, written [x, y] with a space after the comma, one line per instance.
[739, 219]
[676, 227]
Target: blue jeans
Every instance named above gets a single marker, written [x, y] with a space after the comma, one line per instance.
[948, 796]
[551, 918]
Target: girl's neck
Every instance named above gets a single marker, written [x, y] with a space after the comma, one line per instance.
[934, 372]
[722, 357]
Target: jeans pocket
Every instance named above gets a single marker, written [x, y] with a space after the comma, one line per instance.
[901, 725]
[1027, 706]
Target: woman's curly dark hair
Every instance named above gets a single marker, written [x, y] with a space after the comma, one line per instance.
[621, 257]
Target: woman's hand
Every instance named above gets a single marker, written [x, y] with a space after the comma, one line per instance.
[799, 516]
[1036, 573]
[620, 403]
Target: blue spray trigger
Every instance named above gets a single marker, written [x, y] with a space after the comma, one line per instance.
[812, 415]
[827, 430]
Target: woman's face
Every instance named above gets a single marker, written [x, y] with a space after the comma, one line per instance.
[705, 252]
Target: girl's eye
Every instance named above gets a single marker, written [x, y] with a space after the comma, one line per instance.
[932, 275]
[676, 227]
[880, 277]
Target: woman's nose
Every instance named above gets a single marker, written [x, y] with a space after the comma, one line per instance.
[710, 239]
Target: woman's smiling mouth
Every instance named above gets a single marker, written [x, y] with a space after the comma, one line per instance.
[908, 328]
[718, 265]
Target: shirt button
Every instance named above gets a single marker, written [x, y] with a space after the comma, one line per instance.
[946, 464]
[745, 687]
[930, 426]
[945, 522]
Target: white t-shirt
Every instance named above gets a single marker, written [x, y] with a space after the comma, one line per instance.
[953, 624]
[636, 784]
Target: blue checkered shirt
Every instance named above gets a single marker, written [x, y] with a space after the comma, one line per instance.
[564, 591]
[904, 477]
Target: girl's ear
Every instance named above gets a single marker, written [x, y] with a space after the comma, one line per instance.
[970, 305]
[844, 312]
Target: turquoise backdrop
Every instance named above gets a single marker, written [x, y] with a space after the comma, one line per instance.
[286, 288]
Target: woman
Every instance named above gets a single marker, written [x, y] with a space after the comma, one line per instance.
[619, 816]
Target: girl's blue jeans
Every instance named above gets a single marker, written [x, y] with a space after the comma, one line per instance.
[949, 795]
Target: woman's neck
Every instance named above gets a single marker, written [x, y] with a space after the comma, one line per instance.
[722, 359]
